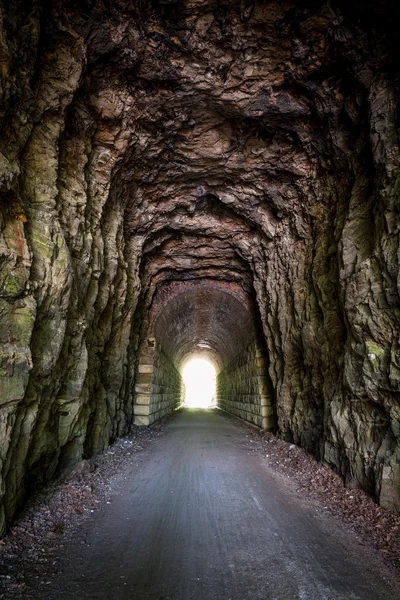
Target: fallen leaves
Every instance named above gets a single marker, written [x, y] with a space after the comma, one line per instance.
[56, 510]
[376, 526]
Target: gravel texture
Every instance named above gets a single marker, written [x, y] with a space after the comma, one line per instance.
[376, 526]
[55, 513]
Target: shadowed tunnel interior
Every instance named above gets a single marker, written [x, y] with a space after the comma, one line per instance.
[212, 321]
[204, 178]
[204, 321]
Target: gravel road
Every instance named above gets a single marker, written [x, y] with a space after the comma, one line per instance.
[201, 517]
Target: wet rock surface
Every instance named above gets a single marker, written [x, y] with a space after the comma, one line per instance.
[147, 144]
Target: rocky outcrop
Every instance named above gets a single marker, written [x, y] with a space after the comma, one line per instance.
[149, 147]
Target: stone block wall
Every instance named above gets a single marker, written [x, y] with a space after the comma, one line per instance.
[159, 386]
[243, 391]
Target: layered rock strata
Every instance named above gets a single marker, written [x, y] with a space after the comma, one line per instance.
[147, 145]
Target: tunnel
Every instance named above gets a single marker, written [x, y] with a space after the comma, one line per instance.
[213, 322]
[199, 179]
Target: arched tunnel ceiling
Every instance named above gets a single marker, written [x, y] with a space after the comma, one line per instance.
[219, 131]
[211, 128]
[203, 321]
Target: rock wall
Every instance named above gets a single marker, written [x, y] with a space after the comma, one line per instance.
[159, 385]
[243, 390]
[68, 284]
[250, 145]
[166, 387]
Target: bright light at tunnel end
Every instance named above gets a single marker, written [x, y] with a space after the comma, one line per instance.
[199, 379]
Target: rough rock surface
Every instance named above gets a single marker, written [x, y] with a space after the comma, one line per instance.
[249, 144]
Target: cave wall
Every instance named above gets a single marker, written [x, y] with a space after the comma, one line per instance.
[251, 144]
[68, 287]
[243, 389]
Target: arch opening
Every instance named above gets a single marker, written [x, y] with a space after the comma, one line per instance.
[213, 324]
[199, 381]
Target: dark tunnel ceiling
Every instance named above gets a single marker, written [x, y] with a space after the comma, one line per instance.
[216, 130]
[213, 143]
[204, 322]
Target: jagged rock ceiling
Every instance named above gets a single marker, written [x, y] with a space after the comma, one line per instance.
[252, 144]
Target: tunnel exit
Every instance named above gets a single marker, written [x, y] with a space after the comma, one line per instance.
[199, 377]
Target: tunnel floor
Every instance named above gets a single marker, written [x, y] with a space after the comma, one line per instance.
[204, 518]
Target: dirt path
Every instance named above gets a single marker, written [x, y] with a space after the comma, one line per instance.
[203, 518]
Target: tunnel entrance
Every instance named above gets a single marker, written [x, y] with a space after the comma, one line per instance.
[199, 380]
[215, 323]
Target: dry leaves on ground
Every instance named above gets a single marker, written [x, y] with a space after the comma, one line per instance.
[376, 526]
[52, 513]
